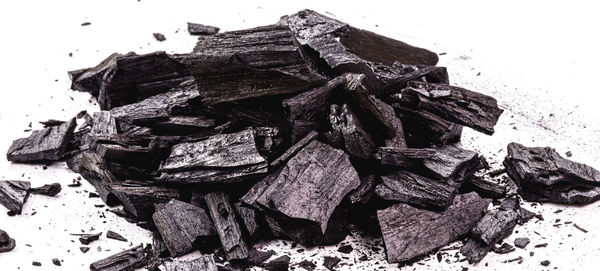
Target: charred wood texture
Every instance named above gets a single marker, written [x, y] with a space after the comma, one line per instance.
[13, 194]
[409, 233]
[348, 133]
[262, 61]
[407, 187]
[130, 259]
[184, 227]
[543, 175]
[200, 29]
[204, 263]
[48, 189]
[48, 144]
[228, 229]
[90, 79]
[424, 129]
[455, 104]
[219, 159]
[6, 242]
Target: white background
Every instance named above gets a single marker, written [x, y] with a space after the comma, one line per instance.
[538, 58]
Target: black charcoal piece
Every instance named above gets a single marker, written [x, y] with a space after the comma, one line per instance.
[6, 243]
[398, 141]
[56, 262]
[407, 187]
[200, 29]
[159, 107]
[488, 186]
[48, 144]
[229, 231]
[312, 105]
[13, 194]
[364, 192]
[504, 249]
[345, 249]
[90, 79]
[130, 259]
[249, 220]
[309, 25]
[478, 111]
[521, 242]
[307, 265]
[132, 78]
[51, 123]
[48, 189]
[330, 262]
[158, 245]
[34, 263]
[84, 249]
[113, 235]
[294, 149]
[262, 61]
[281, 263]
[86, 239]
[139, 200]
[184, 227]
[453, 164]
[348, 132]
[204, 263]
[409, 233]
[104, 123]
[424, 129]
[545, 263]
[159, 36]
[257, 257]
[404, 157]
[309, 187]
[545, 176]
[525, 215]
[492, 228]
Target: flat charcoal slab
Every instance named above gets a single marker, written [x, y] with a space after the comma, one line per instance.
[48, 144]
[200, 29]
[13, 194]
[159, 107]
[130, 259]
[132, 78]
[469, 108]
[309, 187]
[543, 175]
[405, 157]
[407, 187]
[89, 80]
[184, 227]
[250, 63]
[313, 104]
[229, 230]
[139, 201]
[424, 129]
[409, 233]
[203, 263]
[493, 227]
[453, 164]
[220, 158]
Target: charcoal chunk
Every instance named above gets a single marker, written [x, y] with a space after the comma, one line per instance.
[521, 242]
[545, 176]
[48, 189]
[90, 79]
[129, 259]
[278, 264]
[348, 132]
[113, 235]
[204, 262]
[13, 194]
[86, 239]
[409, 233]
[200, 29]
[229, 231]
[453, 164]
[6, 243]
[48, 144]
[407, 187]
[218, 159]
[184, 227]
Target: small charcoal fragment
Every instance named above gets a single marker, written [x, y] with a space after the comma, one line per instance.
[579, 228]
[345, 249]
[56, 262]
[129, 259]
[307, 265]
[159, 36]
[13, 195]
[504, 248]
[257, 257]
[223, 215]
[541, 245]
[204, 263]
[48, 189]
[278, 264]
[86, 239]
[113, 235]
[6, 243]
[330, 262]
[48, 144]
[34, 263]
[545, 263]
[200, 29]
[521, 242]
[84, 249]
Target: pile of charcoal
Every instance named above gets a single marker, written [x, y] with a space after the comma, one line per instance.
[295, 131]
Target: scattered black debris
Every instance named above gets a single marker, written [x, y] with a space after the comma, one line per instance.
[504, 249]
[541, 245]
[345, 249]
[6, 243]
[159, 37]
[545, 263]
[86, 239]
[330, 262]
[56, 262]
[579, 228]
[75, 183]
[521, 242]
[279, 264]
[48, 189]
[84, 249]
[200, 29]
[113, 235]
[307, 265]
[257, 257]
[93, 195]
[569, 154]
[85, 24]
[34, 263]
